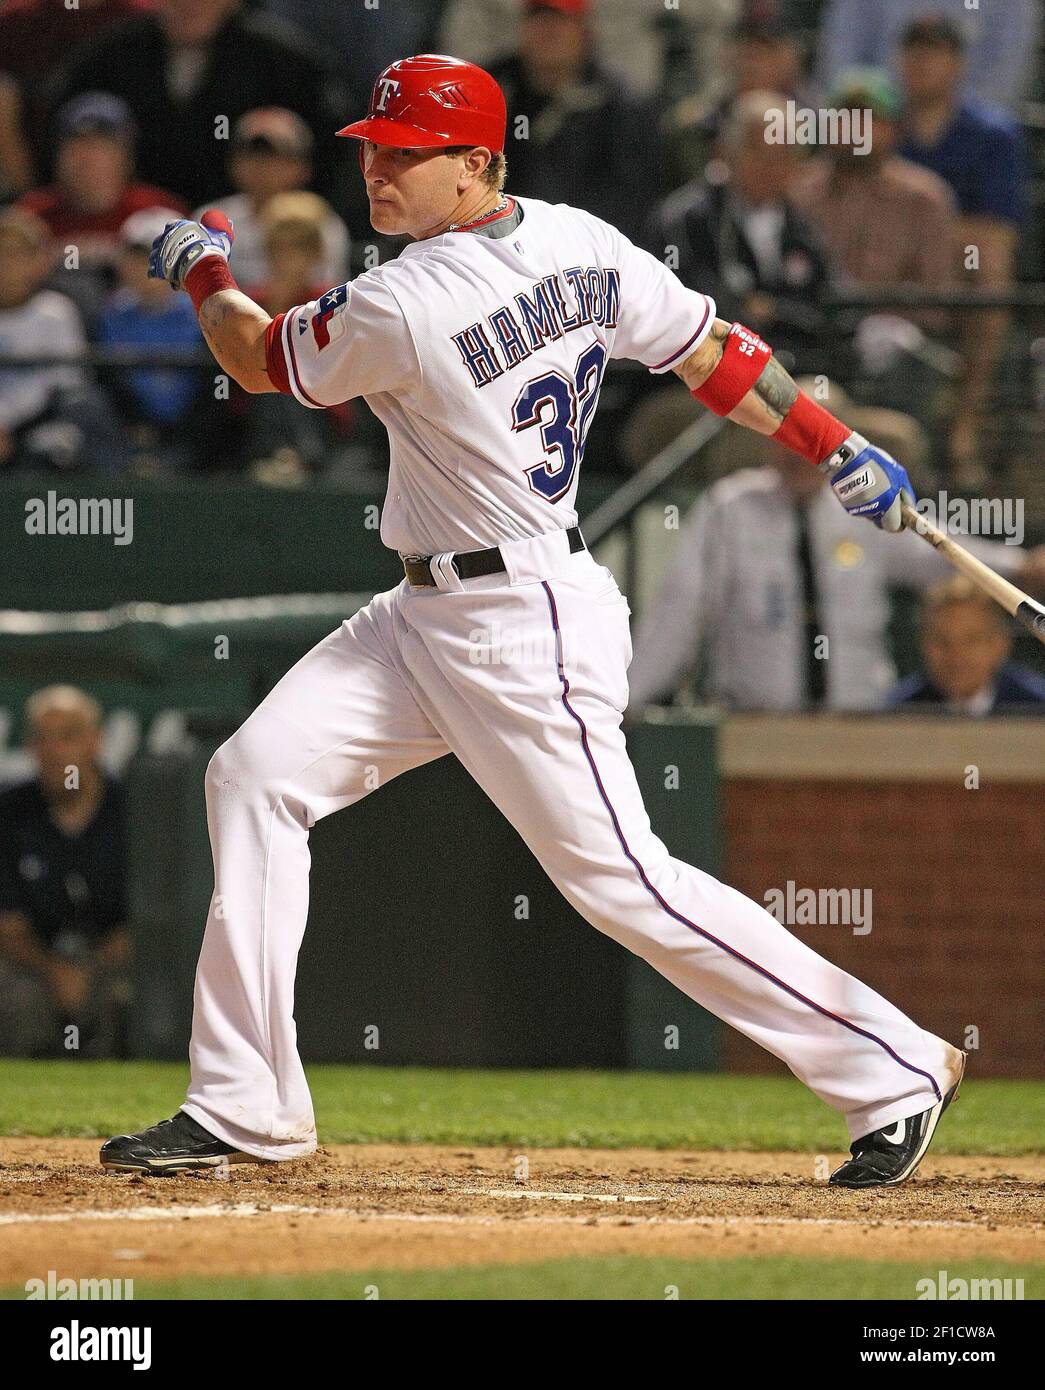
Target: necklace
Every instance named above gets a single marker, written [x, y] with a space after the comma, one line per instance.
[456, 226]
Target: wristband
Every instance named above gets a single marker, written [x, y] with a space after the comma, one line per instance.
[744, 356]
[209, 275]
[811, 431]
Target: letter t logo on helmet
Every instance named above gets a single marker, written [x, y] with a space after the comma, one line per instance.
[433, 100]
[384, 87]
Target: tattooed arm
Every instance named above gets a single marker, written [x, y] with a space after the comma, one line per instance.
[234, 327]
[765, 405]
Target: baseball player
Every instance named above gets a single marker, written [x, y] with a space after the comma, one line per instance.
[482, 349]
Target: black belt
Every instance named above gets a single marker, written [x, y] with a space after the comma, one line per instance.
[472, 563]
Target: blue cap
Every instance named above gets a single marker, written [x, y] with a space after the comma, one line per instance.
[97, 113]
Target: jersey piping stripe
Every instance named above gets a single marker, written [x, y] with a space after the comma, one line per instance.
[295, 374]
[661, 365]
[672, 912]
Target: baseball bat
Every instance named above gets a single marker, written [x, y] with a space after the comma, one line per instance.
[1027, 613]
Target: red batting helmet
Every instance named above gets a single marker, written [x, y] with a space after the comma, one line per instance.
[433, 100]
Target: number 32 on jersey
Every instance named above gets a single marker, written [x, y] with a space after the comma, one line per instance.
[563, 409]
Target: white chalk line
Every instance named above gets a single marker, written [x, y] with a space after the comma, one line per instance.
[251, 1209]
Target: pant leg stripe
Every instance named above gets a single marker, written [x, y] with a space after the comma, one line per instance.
[672, 912]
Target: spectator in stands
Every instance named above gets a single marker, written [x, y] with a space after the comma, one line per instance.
[272, 154]
[778, 602]
[763, 55]
[735, 236]
[64, 945]
[979, 154]
[194, 64]
[886, 221]
[1002, 41]
[37, 39]
[660, 50]
[285, 442]
[966, 642]
[49, 415]
[96, 191]
[575, 133]
[159, 406]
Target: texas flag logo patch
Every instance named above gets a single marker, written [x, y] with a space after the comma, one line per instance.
[321, 322]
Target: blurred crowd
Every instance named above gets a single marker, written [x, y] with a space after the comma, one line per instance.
[118, 115]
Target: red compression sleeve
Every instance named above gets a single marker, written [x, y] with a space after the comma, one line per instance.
[275, 359]
[209, 275]
[744, 356]
[811, 431]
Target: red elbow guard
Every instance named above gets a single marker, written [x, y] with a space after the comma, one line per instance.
[811, 431]
[744, 356]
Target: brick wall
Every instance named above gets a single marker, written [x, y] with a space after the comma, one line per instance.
[958, 882]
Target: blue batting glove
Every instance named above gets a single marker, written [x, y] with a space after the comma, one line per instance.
[869, 482]
[181, 244]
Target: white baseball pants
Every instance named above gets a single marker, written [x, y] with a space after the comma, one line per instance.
[523, 677]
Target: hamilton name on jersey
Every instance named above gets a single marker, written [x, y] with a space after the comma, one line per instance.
[516, 330]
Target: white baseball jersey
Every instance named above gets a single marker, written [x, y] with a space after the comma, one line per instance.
[482, 351]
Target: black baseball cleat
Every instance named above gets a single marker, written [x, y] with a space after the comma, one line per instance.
[889, 1156]
[177, 1145]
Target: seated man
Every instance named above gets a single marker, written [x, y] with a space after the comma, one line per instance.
[966, 643]
[64, 948]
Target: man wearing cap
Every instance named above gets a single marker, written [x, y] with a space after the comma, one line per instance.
[885, 221]
[94, 193]
[272, 154]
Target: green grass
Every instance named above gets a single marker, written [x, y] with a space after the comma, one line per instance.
[536, 1108]
[606, 1277]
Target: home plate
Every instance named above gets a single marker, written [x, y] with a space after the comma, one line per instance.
[561, 1196]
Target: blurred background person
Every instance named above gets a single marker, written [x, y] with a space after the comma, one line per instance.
[735, 235]
[979, 153]
[192, 65]
[1002, 41]
[763, 572]
[159, 406]
[287, 445]
[763, 54]
[271, 153]
[576, 134]
[966, 645]
[38, 38]
[94, 193]
[885, 221]
[64, 946]
[50, 416]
